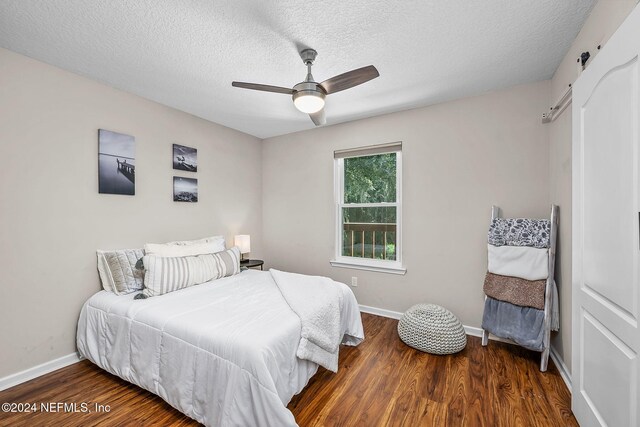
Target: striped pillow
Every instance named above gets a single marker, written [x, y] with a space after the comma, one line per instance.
[168, 274]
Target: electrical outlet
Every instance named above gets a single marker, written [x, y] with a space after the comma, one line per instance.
[354, 282]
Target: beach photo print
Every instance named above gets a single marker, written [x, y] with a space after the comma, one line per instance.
[185, 189]
[116, 163]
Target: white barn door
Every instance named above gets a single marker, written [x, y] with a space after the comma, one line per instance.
[606, 239]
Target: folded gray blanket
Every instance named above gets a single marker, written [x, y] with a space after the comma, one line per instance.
[524, 325]
[520, 232]
[516, 291]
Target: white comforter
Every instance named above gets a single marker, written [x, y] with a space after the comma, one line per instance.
[224, 352]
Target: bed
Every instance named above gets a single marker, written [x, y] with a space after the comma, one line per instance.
[223, 352]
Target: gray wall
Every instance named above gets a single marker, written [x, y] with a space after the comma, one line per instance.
[52, 218]
[605, 18]
[459, 158]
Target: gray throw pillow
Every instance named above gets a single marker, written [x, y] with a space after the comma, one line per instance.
[118, 272]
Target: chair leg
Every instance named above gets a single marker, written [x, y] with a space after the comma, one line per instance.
[544, 360]
[485, 338]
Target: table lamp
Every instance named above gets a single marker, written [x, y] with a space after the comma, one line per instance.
[243, 242]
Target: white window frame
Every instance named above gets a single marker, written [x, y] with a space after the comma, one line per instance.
[384, 266]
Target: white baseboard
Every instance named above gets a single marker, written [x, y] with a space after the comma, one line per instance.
[37, 371]
[477, 332]
[562, 368]
[470, 330]
[381, 312]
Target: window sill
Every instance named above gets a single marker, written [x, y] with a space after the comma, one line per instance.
[369, 267]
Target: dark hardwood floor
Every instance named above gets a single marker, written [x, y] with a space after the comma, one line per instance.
[382, 382]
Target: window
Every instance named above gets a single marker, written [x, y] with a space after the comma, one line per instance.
[368, 208]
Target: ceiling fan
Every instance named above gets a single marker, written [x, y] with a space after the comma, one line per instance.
[308, 96]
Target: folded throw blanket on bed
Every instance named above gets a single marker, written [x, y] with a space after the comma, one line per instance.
[520, 232]
[524, 325]
[525, 293]
[518, 261]
[318, 303]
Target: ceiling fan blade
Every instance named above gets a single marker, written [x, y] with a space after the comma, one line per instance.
[319, 118]
[349, 79]
[264, 88]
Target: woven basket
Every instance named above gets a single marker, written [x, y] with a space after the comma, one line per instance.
[433, 329]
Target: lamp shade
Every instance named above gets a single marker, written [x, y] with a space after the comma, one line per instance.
[243, 241]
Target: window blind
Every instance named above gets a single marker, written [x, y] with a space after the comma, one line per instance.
[369, 150]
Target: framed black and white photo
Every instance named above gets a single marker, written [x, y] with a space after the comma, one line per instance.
[185, 189]
[116, 163]
[185, 158]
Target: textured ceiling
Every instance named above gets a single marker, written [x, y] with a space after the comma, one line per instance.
[185, 53]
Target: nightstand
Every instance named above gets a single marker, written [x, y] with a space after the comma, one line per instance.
[252, 263]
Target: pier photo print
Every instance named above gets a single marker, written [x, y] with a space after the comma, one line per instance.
[185, 158]
[185, 189]
[116, 163]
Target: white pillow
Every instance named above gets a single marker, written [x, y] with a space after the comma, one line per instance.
[212, 239]
[167, 250]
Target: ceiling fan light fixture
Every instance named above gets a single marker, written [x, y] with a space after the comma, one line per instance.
[308, 95]
[309, 101]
